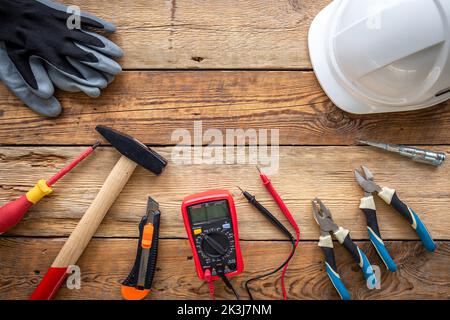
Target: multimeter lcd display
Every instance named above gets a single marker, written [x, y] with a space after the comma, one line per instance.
[209, 211]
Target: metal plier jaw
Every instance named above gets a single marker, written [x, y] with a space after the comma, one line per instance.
[366, 180]
[323, 217]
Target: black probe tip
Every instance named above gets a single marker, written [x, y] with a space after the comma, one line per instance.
[247, 195]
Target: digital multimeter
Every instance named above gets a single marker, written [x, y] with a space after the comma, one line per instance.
[211, 225]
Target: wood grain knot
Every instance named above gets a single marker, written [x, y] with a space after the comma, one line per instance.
[197, 59]
[295, 5]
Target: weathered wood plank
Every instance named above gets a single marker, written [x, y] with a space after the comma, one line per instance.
[105, 263]
[151, 105]
[305, 172]
[208, 33]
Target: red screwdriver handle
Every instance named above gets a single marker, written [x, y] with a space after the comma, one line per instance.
[12, 212]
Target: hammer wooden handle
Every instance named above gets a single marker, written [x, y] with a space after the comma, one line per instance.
[86, 228]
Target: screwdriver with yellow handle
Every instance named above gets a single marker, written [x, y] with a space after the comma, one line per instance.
[12, 212]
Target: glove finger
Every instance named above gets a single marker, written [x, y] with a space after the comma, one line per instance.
[86, 38]
[20, 59]
[87, 19]
[94, 22]
[47, 107]
[104, 64]
[64, 64]
[32, 72]
[65, 83]
[102, 44]
[45, 87]
[109, 77]
[16, 84]
[89, 76]
[70, 49]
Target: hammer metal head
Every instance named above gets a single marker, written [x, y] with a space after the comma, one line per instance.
[133, 149]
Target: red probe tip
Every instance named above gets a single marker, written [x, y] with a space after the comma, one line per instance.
[96, 144]
[259, 170]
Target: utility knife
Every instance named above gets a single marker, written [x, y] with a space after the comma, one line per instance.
[139, 282]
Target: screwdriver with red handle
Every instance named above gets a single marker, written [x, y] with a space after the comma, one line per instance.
[12, 212]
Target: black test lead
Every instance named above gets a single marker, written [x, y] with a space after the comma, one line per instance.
[266, 213]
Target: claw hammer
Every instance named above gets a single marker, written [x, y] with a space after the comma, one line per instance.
[133, 153]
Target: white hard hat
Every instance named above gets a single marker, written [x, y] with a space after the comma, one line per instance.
[374, 56]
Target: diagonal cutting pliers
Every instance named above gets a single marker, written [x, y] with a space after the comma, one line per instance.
[323, 217]
[367, 205]
[366, 180]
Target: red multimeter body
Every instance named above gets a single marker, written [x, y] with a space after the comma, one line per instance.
[211, 224]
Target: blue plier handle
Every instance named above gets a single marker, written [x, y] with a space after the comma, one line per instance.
[323, 217]
[326, 244]
[391, 198]
[368, 207]
[366, 181]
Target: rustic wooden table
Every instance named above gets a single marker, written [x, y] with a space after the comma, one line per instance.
[230, 64]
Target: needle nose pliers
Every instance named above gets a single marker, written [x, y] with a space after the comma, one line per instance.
[366, 180]
[323, 217]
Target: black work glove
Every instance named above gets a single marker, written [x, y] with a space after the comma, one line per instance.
[46, 52]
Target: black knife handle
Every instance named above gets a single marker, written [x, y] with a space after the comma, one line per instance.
[132, 278]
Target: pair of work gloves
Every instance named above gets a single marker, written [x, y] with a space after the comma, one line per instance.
[44, 44]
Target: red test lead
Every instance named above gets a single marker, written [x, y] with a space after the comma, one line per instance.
[266, 181]
[209, 280]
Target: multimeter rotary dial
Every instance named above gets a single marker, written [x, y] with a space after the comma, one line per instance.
[210, 220]
[215, 244]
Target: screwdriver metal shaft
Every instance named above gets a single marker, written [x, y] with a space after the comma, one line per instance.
[416, 154]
